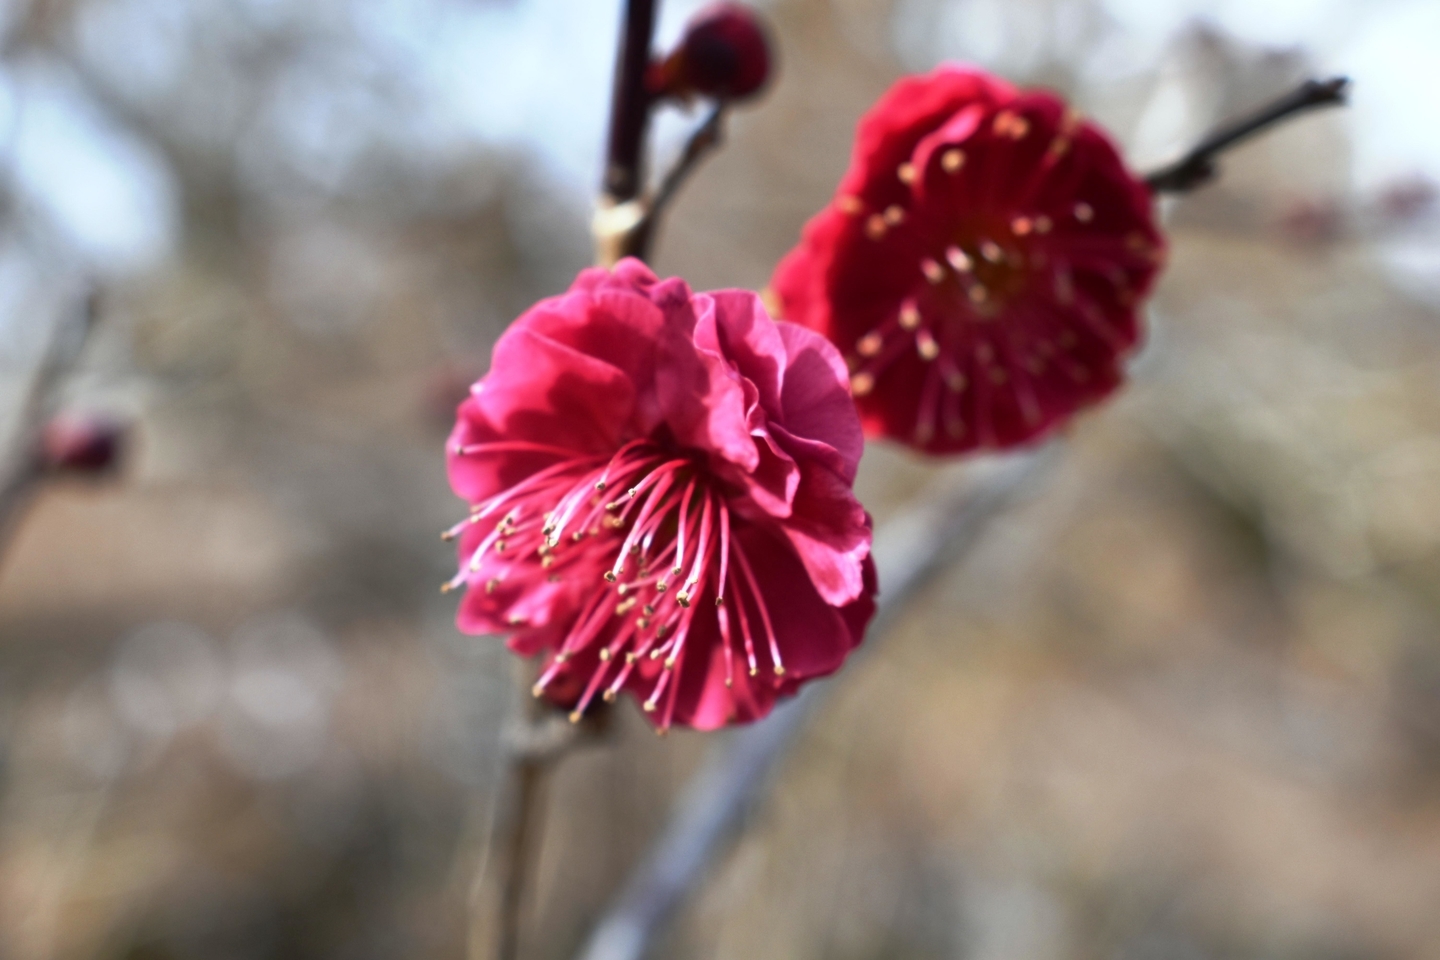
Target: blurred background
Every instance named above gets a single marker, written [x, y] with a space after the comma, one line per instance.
[1182, 704]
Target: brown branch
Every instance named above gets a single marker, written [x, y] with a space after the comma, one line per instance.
[1198, 167]
[535, 741]
[621, 210]
[630, 106]
[527, 776]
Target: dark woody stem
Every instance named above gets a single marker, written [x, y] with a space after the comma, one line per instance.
[1198, 166]
[630, 106]
[539, 736]
[620, 213]
[527, 778]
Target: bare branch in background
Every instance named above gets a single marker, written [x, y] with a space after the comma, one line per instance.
[1197, 167]
[937, 530]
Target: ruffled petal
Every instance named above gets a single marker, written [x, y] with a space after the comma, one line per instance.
[816, 407]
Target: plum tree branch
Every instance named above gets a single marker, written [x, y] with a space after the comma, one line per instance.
[1198, 166]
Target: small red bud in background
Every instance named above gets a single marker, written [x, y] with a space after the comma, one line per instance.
[88, 444]
[1312, 220]
[724, 54]
[1408, 198]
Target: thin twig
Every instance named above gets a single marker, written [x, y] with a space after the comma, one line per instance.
[536, 739]
[941, 528]
[528, 776]
[1198, 166]
[705, 138]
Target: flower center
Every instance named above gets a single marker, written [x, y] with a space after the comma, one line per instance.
[648, 535]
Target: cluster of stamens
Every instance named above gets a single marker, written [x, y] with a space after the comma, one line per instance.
[658, 556]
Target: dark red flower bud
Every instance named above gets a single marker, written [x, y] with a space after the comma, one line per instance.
[81, 444]
[725, 54]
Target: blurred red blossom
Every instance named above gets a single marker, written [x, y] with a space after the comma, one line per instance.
[81, 444]
[1408, 197]
[724, 53]
[981, 266]
[1312, 220]
[661, 500]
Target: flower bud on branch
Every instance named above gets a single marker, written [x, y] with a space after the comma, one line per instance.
[724, 54]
